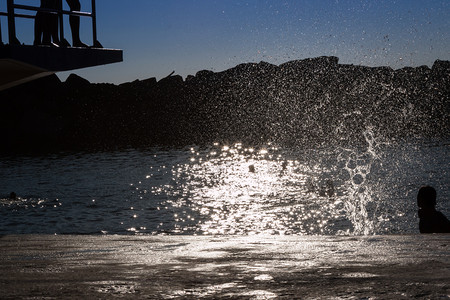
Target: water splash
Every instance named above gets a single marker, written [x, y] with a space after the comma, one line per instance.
[366, 189]
[361, 202]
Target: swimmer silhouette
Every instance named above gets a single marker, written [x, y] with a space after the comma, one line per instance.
[431, 220]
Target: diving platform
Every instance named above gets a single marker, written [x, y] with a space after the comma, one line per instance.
[21, 63]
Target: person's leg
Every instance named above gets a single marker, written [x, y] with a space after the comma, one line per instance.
[46, 25]
[38, 30]
[75, 23]
[46, 29]
[39, 25]
[53, 22]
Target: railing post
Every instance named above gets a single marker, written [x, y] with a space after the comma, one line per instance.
[11, 23]
[94, 23]
[1, 40]
[61, 22]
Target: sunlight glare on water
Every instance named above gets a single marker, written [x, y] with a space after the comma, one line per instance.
[226, 189]
[240, 190]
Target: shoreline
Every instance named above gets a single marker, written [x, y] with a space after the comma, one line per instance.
[210, 267]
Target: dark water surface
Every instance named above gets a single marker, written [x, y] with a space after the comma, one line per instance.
[224, 189]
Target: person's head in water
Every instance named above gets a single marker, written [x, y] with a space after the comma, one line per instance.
[431, 220]
[426, 198]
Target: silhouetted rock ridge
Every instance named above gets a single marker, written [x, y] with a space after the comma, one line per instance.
[310, 102]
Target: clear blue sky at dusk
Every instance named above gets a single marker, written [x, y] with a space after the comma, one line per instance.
[185, 36]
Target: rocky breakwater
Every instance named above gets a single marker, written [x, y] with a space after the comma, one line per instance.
[308, 102]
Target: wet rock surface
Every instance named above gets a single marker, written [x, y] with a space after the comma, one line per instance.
[219, 267]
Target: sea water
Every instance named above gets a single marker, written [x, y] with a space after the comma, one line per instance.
[225, 189]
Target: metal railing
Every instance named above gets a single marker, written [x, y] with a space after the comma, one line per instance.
[11, 15]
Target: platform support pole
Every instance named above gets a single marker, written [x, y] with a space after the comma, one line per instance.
[94, 23]
[11, 23]
[61, 21]
[1, 40]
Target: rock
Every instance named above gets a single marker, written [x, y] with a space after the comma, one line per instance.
[75, 81]
[441, 67]
[309, 102]
[204, 74]
[172, 79]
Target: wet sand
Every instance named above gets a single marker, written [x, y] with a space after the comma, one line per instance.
[207, 267]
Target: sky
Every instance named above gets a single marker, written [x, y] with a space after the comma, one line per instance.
[186, 36]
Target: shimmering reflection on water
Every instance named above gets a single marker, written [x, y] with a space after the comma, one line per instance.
[240, 190]
[237, 190]
[224, 189]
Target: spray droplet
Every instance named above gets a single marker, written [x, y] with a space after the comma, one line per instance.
[358, 179]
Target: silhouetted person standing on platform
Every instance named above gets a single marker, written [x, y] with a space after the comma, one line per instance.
[75, 23]
[46, 25]
[431, 220]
